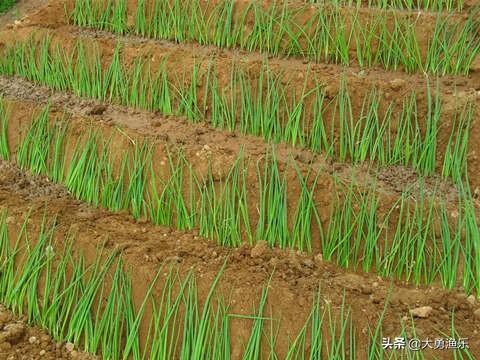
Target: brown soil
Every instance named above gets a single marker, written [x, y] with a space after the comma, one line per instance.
[19, 10]
[180, 59]
[198, 140]
[204, 146]
[20, 341]
[296, 275]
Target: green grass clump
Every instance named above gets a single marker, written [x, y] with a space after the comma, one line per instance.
[71, 288]
[403, 243]
[261, 106]
[433, 5]
[69, 306]
[328, 35]
[4, 120]
[224, 208]
[31, 152]
[66, 307]
[399, 240]
[454, 163]
[84, 176]
[6, 5]
[272, 223]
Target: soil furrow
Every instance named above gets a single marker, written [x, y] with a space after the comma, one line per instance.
[295, 276]
[54, 16]
[140, 155]
[178, 131]
[393, 90]
[215, 150]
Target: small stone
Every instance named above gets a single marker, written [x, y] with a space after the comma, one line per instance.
[365, 289]
[32, 339]
[397, 84]
[475, 66]
[13, 332]
[97, 110]
[476, 313]
[330, 91]
[4, 318]
[274, 262]
[260, 248]
[319, 258]
[173, 259]
[472, 300]
[477, 191]
[421, 312]
[42, 352]
[375, 284]
[305, 157]
[69, 347]
[308, 263]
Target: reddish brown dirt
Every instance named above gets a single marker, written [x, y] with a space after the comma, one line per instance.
[19, 10]
[393, 86]
[20, 341]
[295, 275]
[203, 146]
[198, 140]
[423, 22]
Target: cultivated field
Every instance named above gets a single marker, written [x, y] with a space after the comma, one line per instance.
[240, 179]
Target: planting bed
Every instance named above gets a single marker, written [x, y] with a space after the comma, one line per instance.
[240, 179]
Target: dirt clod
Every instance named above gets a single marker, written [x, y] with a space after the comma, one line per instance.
[12, 333]
[97, 110]
[318, 258]
[476, 313]
[4, 318]
[260, 249]
[366, 289]
[471, 300]
[397, 84]
[32, 339]
[422, 312]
